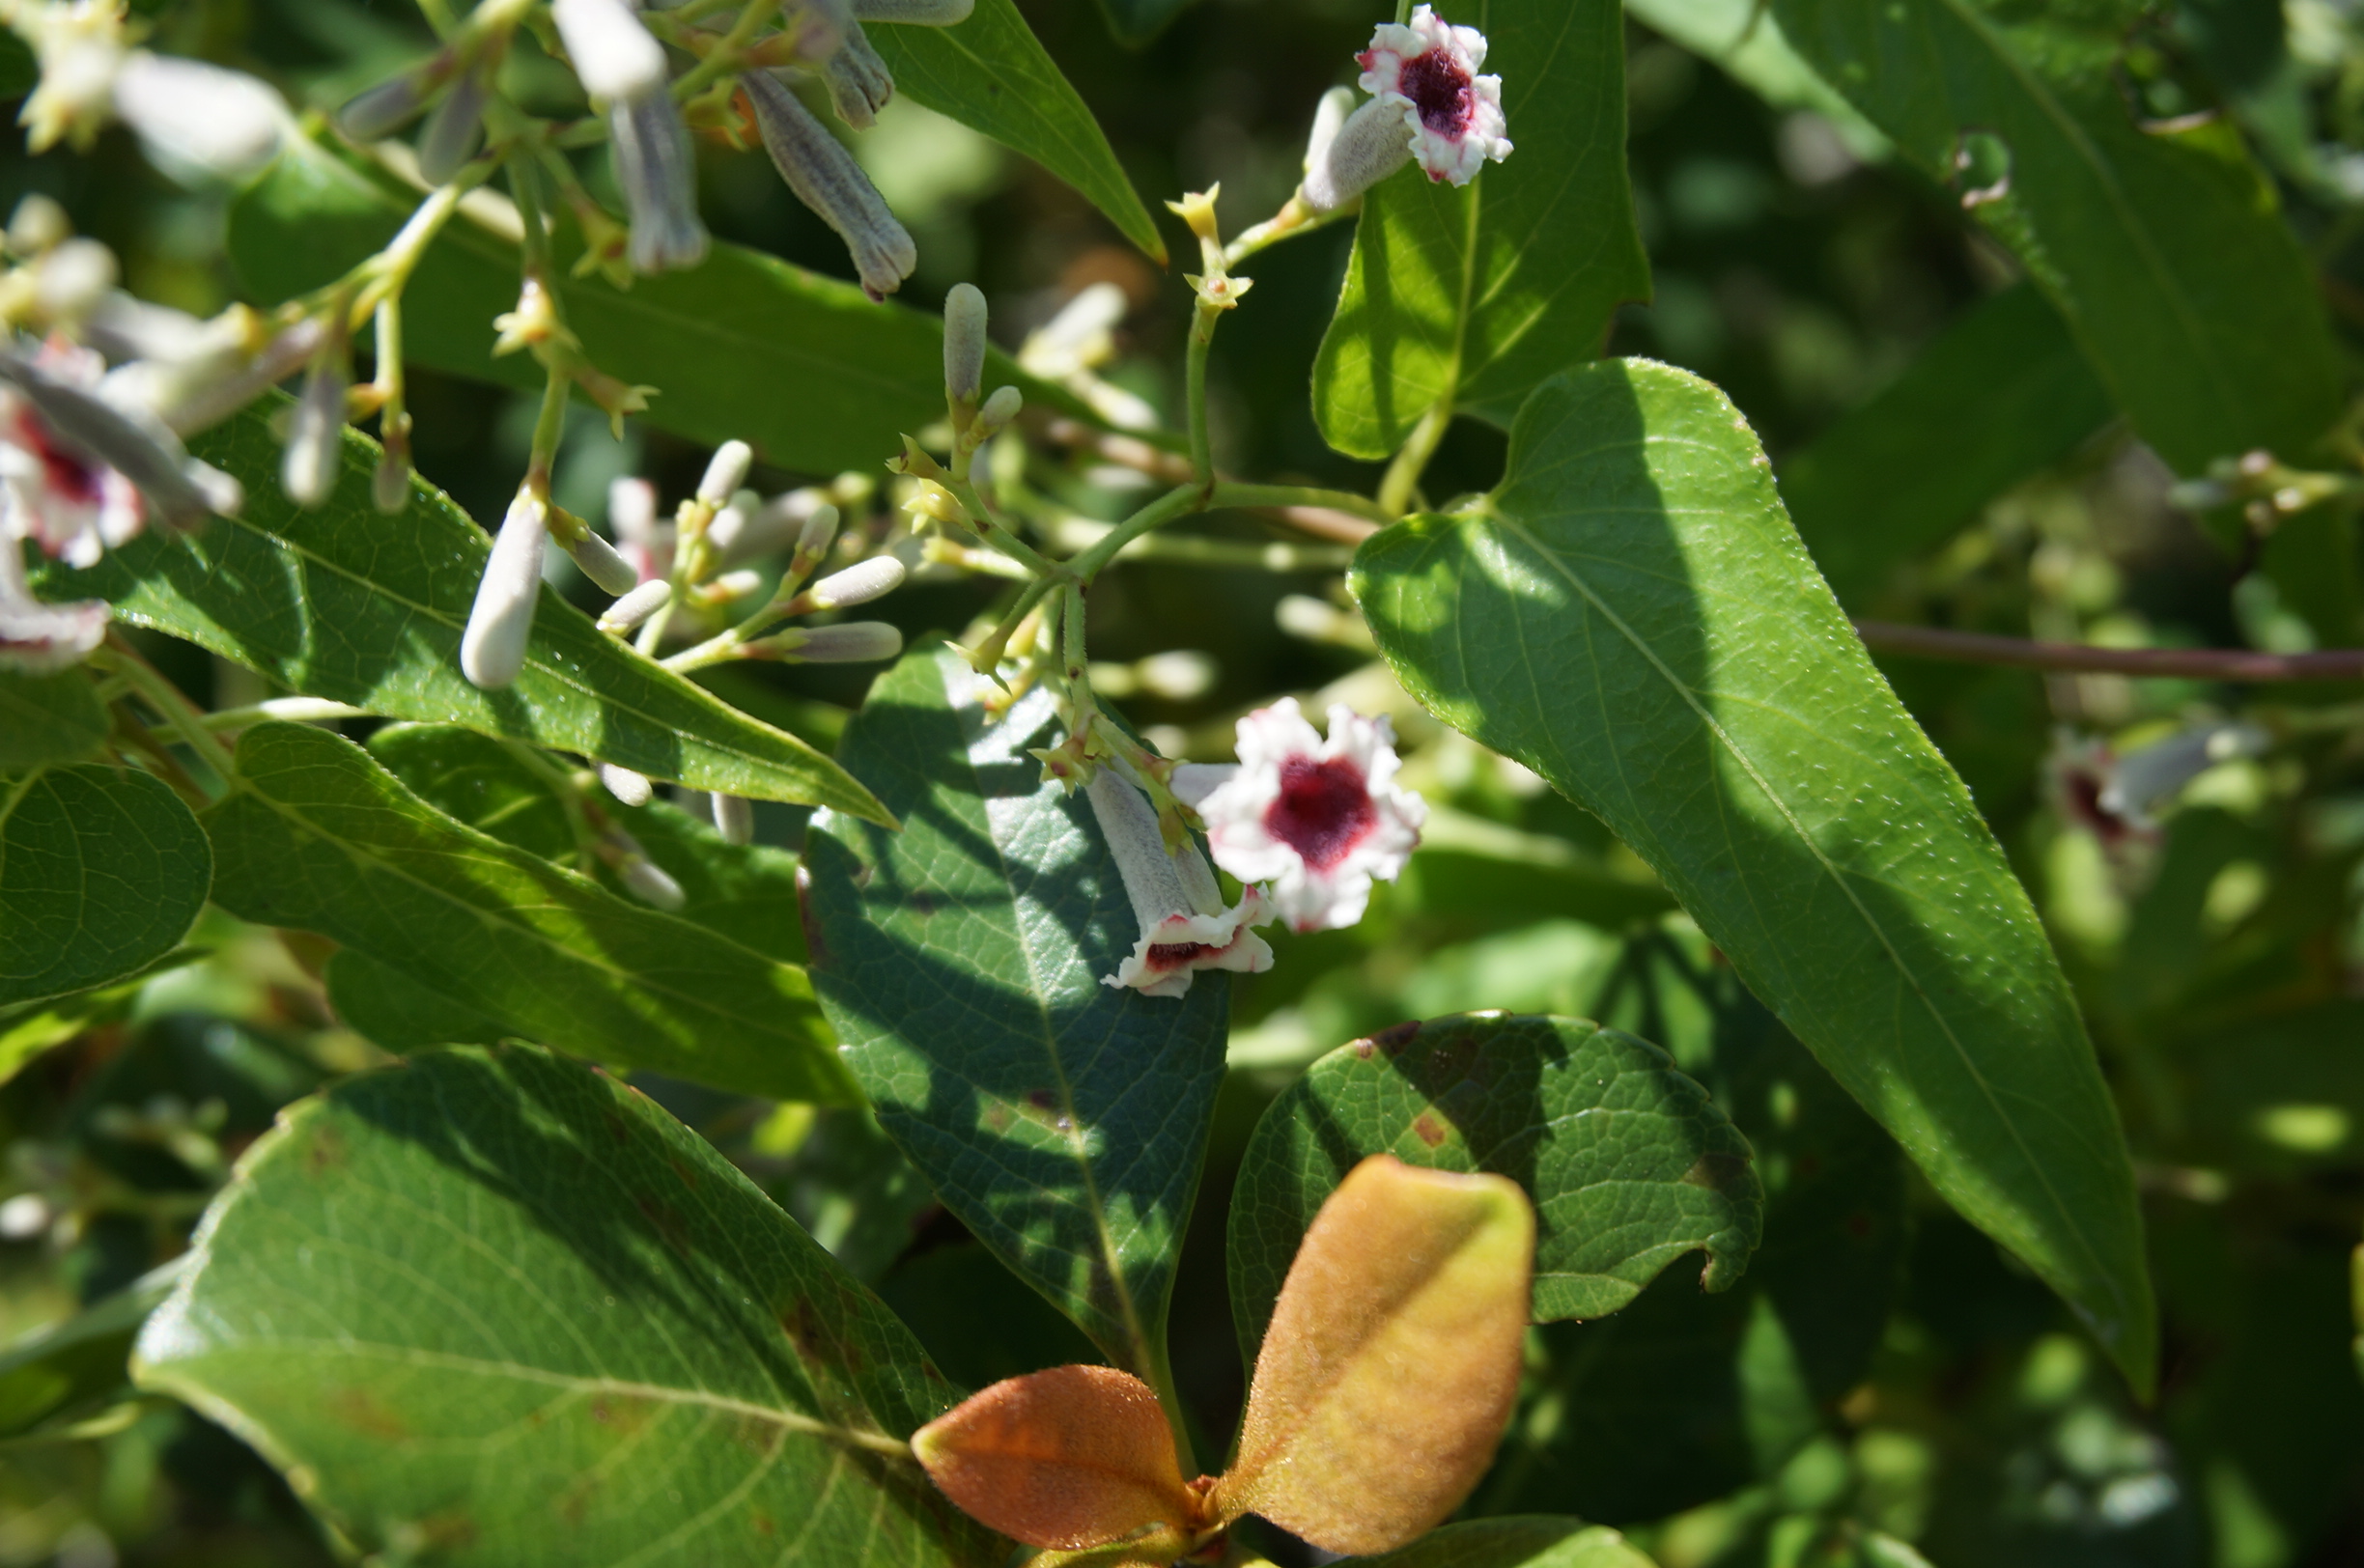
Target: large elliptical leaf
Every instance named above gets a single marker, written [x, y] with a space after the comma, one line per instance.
[494, 1307]
[2161, 244]
[960, 961]
[46, 719]
[992, 73]
[743, 348]
[1631, 615]
[342, 601]
[1628, 1162]
[103, 871]
[1472, 294]
[319, 836]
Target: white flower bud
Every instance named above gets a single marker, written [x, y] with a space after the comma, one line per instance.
[1328, 115]
[378, 112]
[38, 225]
[963, 343]
[856, 584]
[823, 175]
[1079, 337]
[73, 279]
[448, 140]
[1373, 144]
[613, 54]
[732, 585]
[725, 473]
[390, 485]
[914, 13]
[493, 649]
[636, 606]
[860, 84]
[734, 818]
[819, 533]
[603, 565]
[1178, 675]
[200, 121]
[849, 642]
[1005, 405]
[630, 788]
[658, 168]
[316, 435]
[632, 510]
[649, 884]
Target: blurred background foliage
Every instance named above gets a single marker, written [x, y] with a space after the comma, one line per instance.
[1885, 1367]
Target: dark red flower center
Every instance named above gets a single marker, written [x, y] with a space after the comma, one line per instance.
[1174, 955]
[1438, 86]
[1323, 811]
[64, 472]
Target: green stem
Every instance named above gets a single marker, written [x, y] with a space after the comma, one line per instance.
[1293, 219]
[1253, 496]
[1403, 475]
[171, 705]
[999, 534]
[1201, 439]
[723, 58]
[1180, 501]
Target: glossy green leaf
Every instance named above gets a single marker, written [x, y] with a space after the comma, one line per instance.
[960, 960]
[1474, 294]
[743, 348]
[476, 779]
[319, 837]
[1629, 1164]
[1745, 40]
[1531, 1541]
[49, 718]
[103, 871]
[2002, 393]
[2160, 243]
[496, 1308]
[342, 601]
[1631, 615]
[992, 74]
[399, 1013]
[70, 1370]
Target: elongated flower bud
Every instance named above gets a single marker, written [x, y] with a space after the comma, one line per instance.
[856, 584]
[734, 818]
[636, 607]
[630, 788]
[493, 649]
[649, 883]
[380, 111]
[1373, 144]
[602, 563]
[37, 225]
[1005, 405]
[964, 343]
[725, 473]
[915, 12]
[860, 84]
[657, 169]
[849, 642]
[316, 435]
[448, 139]
[195, 119]
[825, 177]
[390, 483]
[819, 534]
[1328, 115]
[613, 54]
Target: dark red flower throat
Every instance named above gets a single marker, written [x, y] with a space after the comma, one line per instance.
[1441, 90]
[1323, 811]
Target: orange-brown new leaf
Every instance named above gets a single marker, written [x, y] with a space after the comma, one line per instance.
[1387, 1376]
[1077, 1456]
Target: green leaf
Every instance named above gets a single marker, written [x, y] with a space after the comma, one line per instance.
[319, 837]
[397, 1013]
[103, 871]
[496, 1308]
[1629, 1163]
[1472, 295]
[1632, 616]
[2161, 244]
[68, 1370]
[49, 718]
[2002, 393]
[814, 376]
[1532, 1541]
[1742, 38]
[341, 601]
[992, 74]
[29, 1028]
[1063, 1120]
[478, 780]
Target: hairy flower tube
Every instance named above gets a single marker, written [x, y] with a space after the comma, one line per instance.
[1185, 926]
[825, 177]
[492, 648]
[1315, 819]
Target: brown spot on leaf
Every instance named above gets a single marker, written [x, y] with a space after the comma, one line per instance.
[1393, 1038]
[364, 1411]
[1718, 1172]
[816, 946]
[667, 1222]
[325, 1151]
[1431, 1128]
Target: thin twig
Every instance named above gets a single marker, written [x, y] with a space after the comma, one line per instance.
[2191, 664]
[1172, 468]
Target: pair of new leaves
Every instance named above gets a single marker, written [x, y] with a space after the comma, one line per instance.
[1384, 1382]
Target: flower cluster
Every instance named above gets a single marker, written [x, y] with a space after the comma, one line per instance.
[1428, 103]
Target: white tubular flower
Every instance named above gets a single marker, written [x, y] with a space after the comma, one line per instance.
[1428, 72]
[734, 818]
[822, 28]
[83, 474]
[819, 533]
[73, 281]
[915, 12]
[197, 121]
[493, 649]
[615, 56]
[849, 642]
[604, 565]
[2135, 786]
[825, 177]
[649, 883]
[630, 788]
[963, 343]
[37, 638]
[1316, 819]
[859, 84]
[657, 169]
[856, 584]
[1368, 147]
[1184, 924]
[725, 471]
[643, 541]
[316, 435]
[38, 225]
[636, 606]
[380, 111]
[1328, 115]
